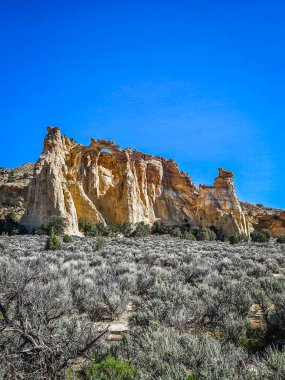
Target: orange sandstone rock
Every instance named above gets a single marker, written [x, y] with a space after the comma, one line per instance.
[103, 183]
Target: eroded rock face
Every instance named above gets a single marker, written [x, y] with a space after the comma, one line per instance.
[265, 217]
[103, 183]
[218, 205]
[14, 190]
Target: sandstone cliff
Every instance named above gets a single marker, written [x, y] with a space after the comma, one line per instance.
[103, 183]
[14, 190]
[265, 217]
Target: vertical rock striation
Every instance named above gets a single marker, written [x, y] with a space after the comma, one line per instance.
[103, 183]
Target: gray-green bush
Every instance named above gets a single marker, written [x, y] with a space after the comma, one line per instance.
[189, 306]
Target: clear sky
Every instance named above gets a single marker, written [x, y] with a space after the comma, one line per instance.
[199, 81]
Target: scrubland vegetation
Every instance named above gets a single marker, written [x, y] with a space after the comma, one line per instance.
[206, 310]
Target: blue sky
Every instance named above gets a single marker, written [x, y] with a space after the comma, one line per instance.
[199, 81]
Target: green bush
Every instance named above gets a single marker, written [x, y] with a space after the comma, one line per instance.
[98, 243]
[11, 176]
[56, 224]
[266, 232]
[103, 229]
[238, 238]
[234, 239]
[113, 229]
[212, 235]
[281, 239]
[10, 226]
[254, 339]
[126, 229]
[53, 242]
[92, 230]
[3, 246]
[176, 232]
[142, 230]
[88, 228]
[67, 239]
[188, 236]
[110, 369]
[259, 237]
[205, 234]
[159, 227]
[81, 224]
[192, 376]
[194, 230]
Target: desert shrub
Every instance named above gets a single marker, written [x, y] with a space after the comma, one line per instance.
[111, 369]
[188, 236]
[3, 246]
[144, 281]
[10, 226]
[234, 239]
[266, 232]
[98, 243]
[259, 205]
[192, 376]
[205, 234]
[275, 319]
[194, 230]
[142, 230]
[103, 229]
[202, 234]
[113, 229]
[126, 229]
[254, 339]
[139, 319]
[176, 232]
[38, 320]
[56, 224]
[215, 230]
[53, 242]
[26, 175]
[189, 307]
[91, 229]
[88, 228]
[232, 328]
[160, 227]
[281, 239]
[275, 363]
[67, 239]
[259, 237]
[238, 238]
[212, 235]
[11, 176]
[81, 224]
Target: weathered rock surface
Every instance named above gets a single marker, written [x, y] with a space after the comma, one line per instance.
[103, 183]
[14, 190]
[265, 217]
[219, 205]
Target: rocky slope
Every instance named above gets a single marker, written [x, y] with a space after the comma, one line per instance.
[14, 190]
[265, 217]
[103, 183]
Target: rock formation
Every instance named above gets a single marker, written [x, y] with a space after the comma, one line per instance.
[103, 183]
[14, 190]
[218, 205]
[260, 217]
